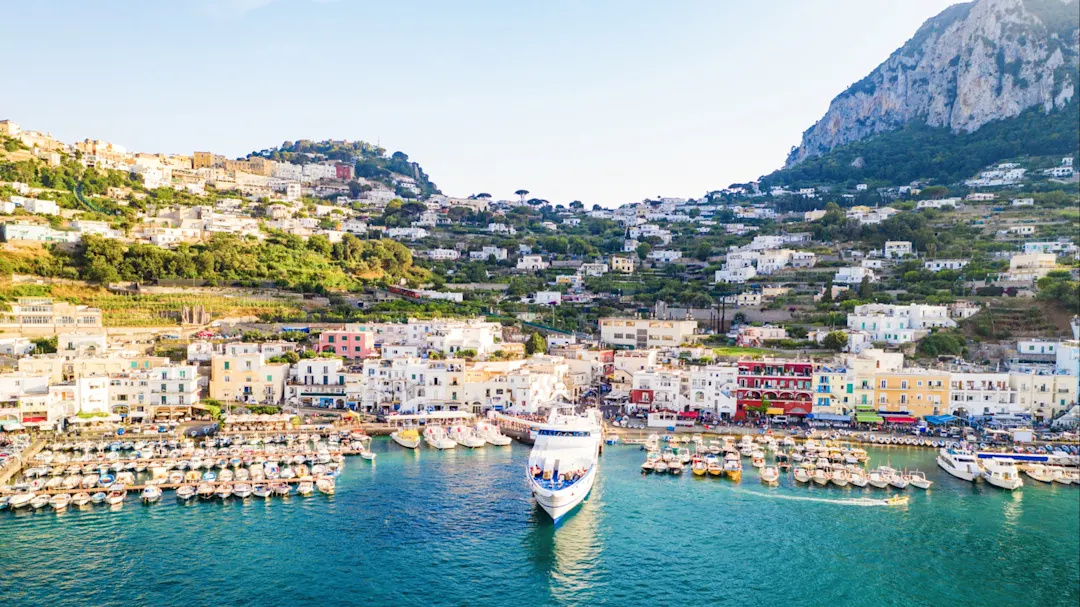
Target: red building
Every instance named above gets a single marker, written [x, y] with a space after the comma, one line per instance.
[343, 171]
[785, 385]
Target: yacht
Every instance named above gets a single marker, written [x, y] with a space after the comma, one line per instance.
[563, 463]
[406, 437]
[436, 437]
[959, 463]
[1002, 473]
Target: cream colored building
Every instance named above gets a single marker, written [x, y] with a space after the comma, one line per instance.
[43, 316]
[61, 369]
[1043, 396]
[247, 378]
[646, 333]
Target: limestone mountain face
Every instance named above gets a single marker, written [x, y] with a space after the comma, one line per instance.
[972, 64]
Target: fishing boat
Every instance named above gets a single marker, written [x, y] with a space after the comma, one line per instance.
[98, 498]
[660, 466]
[406, 437]
[185, 492]
[840, 477]
[733, 467]
[20, 500]
[39, 501]
[209, 476]
[151, 494]
[1002, 473]
[858, 478]
[490, 433]
[1066, 477]
[698, 466]
[305, 488]
[224, 491]
[918, 479]
[715, 467]
[60, 501]
[282, 489]
[770, 475]
[960, 463]
[116, 494]
[325, 485]
[877, 480]
[562, 465]
[261, 490]
[242, 490]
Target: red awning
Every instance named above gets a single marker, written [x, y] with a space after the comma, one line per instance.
[899, 419]
[688, 414]
[796, 411]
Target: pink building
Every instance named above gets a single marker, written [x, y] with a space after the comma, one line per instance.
[348, 344]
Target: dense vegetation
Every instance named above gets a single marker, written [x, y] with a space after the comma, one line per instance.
[286, 261]
[920, 152]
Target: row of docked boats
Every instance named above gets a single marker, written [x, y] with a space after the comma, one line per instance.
[823, 473]
[438, 437]
[1000, 470]
[113, 495]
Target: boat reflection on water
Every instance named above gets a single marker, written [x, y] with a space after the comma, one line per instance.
[567, 553]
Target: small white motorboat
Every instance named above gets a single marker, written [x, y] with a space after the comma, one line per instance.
[224, 491]
[242, 490]
[185, 492]
[802, 475]
[858, 478]
[305, 488]
[151, 494]
[98, 498]
[80, 499]
[821, 477]
[919, 480]
[116, 494]
[205, 490]
[261, 490]
[325, 485]
[60, 501]
[39, 501]
[770, 475]
[1043, 474]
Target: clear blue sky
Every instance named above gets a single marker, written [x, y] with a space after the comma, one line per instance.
[605, 101]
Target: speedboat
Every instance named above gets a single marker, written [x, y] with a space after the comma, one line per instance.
[897, 500]
[325, 485]
[821, 477]
[465, 437]
[282, 489]
[436, 437]
[770, 475]
[959, 462]
[733, 467]
[406, 437]
[116, 495]
[491, 434]
[712, 462]
[185, 492]
[1043, 474]
[562, 465]
[659, 465]
[675, 466]
[151, 494]
[918, 479]
[1002, 473]
[698, 466]
[757, 459]
[650, 462]
[60, 501]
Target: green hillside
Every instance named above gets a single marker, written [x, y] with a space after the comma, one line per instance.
[937, 155]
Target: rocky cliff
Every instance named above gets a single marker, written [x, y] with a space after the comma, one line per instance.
[972, 64]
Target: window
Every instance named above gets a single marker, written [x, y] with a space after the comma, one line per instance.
[884, 383]
[903, 384]
[226, 365]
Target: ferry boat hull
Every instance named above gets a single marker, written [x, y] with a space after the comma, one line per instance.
[559, 503]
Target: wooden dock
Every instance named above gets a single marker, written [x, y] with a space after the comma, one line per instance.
[174, 486]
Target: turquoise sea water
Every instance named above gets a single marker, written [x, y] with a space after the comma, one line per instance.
[459, 528]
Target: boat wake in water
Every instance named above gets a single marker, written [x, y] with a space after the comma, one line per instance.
[862, 501]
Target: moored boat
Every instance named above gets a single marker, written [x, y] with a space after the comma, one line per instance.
[959, 462]
[116, 494]
[406, 437]
[151, 494]
[1002, 473]
[60, 501]
[770, 475]
[185, 492]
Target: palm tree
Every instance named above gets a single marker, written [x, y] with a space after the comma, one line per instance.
[522, 194]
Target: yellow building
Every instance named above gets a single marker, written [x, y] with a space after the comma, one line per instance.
[918, 392]
[202, 160]
[623, 263]
[247, 378]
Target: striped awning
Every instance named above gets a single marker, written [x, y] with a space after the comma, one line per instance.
[774, 411]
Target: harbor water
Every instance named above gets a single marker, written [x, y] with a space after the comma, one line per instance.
[458, 527]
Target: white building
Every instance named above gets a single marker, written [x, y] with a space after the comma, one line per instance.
[532, 263]
[853, 276]
[982, 394]
[894, 324]
[665, 256]
[897, 248]
[646, 333]
[486, 253]
[937, 265]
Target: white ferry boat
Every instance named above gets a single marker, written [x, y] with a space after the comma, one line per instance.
[960, 463]
[563, 463]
